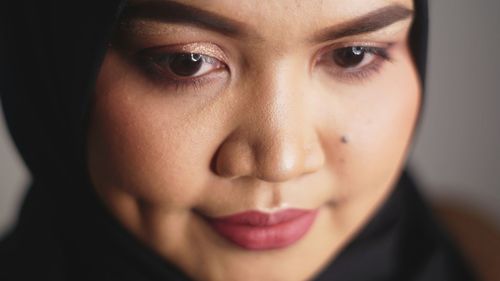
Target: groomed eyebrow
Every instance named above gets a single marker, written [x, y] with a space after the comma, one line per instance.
[168, 11]
[174, 12]
[367, 23]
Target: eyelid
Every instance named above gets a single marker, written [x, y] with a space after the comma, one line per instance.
[331, 47]
[381, 51]
[203, 48]
[147, 59]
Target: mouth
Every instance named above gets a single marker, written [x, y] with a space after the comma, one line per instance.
[254, 230]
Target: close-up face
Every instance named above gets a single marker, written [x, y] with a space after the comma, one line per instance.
[251, 140]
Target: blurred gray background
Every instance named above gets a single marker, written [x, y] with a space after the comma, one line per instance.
[457, 153]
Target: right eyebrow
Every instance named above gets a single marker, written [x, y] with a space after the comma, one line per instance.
[367, 23]
[169, 11]
[174, 12]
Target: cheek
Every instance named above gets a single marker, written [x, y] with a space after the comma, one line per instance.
[377, 123]
[142, 144]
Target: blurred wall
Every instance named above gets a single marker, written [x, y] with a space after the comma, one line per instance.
[457, 153]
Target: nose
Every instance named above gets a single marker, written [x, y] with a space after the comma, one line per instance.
[275, 139]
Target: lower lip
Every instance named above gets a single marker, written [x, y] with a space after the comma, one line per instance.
[251, 231]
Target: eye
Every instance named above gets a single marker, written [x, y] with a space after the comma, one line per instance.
[356, 56]
[350, 56]
[186, 65]
[353, 62]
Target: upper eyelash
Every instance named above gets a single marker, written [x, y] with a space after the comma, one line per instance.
[365, 72]
[382, 52]
[148, 63]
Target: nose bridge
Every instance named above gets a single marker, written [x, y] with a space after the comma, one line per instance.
[279, 137]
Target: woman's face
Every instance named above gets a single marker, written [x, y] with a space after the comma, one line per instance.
[250, 140]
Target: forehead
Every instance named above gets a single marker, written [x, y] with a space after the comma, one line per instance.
[284, 22]
[292, 13]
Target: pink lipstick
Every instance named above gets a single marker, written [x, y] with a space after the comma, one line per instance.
[256, 230]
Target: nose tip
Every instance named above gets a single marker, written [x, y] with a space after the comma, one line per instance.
[278, 160]
[284, 161]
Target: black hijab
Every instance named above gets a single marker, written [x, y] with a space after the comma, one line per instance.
[50, 54]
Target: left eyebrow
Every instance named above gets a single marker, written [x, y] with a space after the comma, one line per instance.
[367, 23]
[168, 11]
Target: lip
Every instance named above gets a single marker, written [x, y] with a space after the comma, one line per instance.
[254, 230]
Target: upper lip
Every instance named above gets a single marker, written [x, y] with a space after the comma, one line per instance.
[261, 219]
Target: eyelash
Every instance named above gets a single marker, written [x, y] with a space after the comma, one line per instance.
[151, 63]
[356, 74]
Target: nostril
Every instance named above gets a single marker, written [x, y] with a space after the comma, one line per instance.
[278, 160]
[233, 159]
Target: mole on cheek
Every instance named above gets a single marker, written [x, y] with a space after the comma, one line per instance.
[344, 139]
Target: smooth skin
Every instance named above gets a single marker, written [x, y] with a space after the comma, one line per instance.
[272, 123]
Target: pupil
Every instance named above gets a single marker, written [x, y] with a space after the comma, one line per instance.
[185, 64]
[349, 57]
